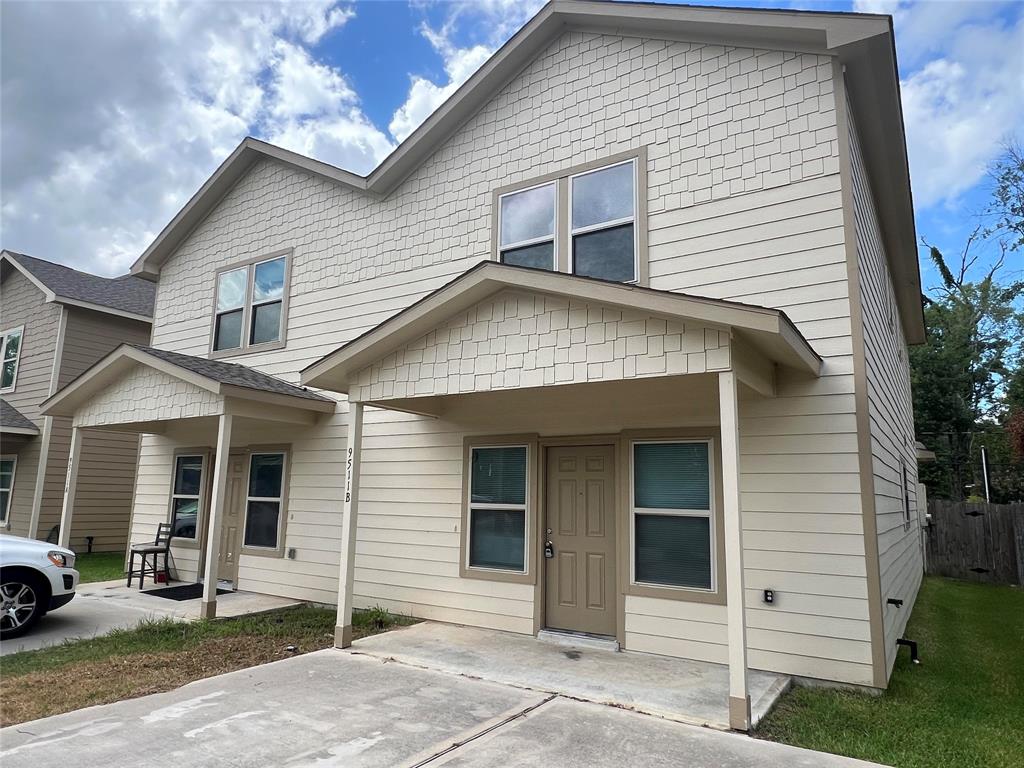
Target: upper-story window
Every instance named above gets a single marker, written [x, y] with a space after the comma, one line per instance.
[527, 237]
[251, 305]
[583, 222]
[10, 348]
[603, 231]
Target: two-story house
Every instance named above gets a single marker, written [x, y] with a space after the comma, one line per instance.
[55, 322]
[614, 343]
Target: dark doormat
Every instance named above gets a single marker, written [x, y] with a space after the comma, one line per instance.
[182, 592]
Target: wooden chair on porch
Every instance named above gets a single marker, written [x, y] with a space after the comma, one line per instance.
[161, 546]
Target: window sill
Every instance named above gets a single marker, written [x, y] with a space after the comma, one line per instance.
[485, 574]
[684, 594]
[181, 543]
[250, 350]
[263, 552]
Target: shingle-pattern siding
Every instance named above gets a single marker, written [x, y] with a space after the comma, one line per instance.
[125, 293]
[740, 208]
[145, 394]
[518, 339]
[717, 121]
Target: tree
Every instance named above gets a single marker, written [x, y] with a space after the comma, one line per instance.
[967, 378]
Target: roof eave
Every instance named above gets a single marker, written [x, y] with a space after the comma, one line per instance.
[332, 371]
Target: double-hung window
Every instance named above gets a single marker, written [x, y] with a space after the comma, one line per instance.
[187, 496]
[497, 508]
[672, 521]
[7, 465]
[10, 349]
[604, 223]
[580, 222]
[527, 227]
[250, 305]
[264, 501]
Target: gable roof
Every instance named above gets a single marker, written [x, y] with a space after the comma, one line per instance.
[769, 330]
[13, 422]
[222, 378]
[127, 296]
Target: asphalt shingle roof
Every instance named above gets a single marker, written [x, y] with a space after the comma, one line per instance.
[126, 293]
[12, 417]
[232, 373]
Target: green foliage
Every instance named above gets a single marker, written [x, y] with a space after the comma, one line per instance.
[967, 379]
[961, 707]
[100, 566]
[297, 625]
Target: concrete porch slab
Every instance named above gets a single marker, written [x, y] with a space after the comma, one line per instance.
[101, 607]
[676, 689]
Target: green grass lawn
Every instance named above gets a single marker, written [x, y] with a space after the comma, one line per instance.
[962, 707]
[100, 566]
[161, 655]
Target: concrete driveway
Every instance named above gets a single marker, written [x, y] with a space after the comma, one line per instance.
[335, 708]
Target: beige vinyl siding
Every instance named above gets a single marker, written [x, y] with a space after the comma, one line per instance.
[23, 304]
[901, 562]
[744, 203]
[315, 485]
[803, 534]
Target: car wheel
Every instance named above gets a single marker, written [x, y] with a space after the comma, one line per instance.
[21, 604]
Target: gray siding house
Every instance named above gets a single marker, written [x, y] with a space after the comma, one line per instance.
[613, 343]
[54, 323]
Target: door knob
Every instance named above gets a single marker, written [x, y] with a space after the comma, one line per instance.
[549, 550]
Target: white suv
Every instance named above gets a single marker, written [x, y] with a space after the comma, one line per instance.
[35, 577]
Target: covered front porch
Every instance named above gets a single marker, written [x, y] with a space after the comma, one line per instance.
[593, 422]
[228, 431]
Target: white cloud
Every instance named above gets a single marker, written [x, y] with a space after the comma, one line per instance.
[962, 88]
[133, 105]
[499, 20]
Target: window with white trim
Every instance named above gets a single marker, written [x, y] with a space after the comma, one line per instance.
[186, 496]
[603, 230]
[249, 305]
[10, 349]
[7, 467]
[497, 508]
[672, 524]
[264, 500]
[595, 210]
[526, 229]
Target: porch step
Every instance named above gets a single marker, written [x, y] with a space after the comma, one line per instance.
[593, 642]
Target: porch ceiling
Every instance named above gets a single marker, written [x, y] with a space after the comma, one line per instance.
[140, 388]
[614, 331]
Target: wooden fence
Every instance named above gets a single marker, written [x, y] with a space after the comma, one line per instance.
[978, 542]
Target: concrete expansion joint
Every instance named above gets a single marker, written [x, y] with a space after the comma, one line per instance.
[552, 694]
[484, 731]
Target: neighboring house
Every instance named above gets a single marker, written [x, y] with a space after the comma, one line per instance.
[54, 323]
[687, 383]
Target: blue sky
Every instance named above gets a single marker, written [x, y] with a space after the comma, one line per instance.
[135, 104]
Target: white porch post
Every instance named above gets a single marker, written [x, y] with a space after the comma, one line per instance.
[67, 511]
[739, 698]
[349, 526]
[217, 501]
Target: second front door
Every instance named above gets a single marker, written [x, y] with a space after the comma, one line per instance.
[234, 509]
[580, 528]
